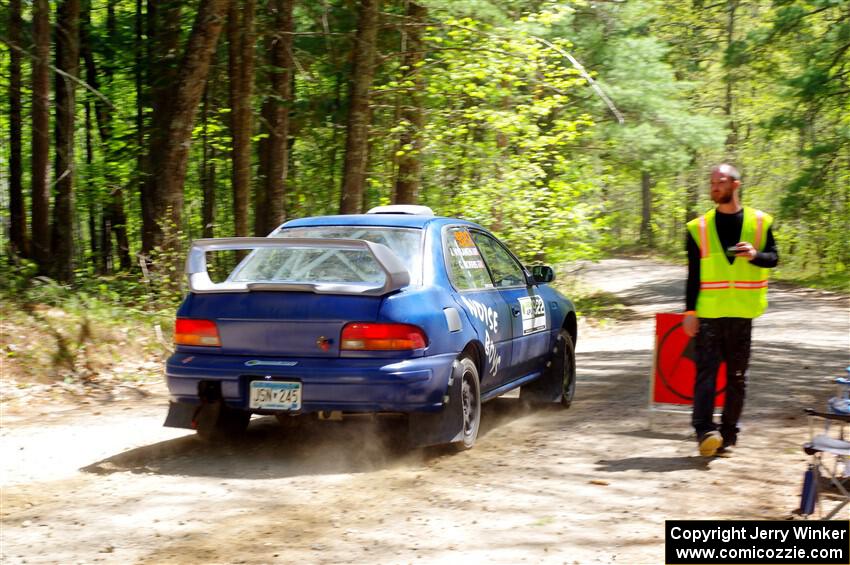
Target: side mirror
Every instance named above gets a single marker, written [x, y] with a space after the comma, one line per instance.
[542, 274]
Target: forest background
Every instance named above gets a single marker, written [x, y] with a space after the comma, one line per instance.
[571, 129]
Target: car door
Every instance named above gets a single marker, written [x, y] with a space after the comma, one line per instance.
[485, 308]
[530, 320]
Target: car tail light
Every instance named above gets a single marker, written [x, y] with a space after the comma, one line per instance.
[359, 336]
[196, 332]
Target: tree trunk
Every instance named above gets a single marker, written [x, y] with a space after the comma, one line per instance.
[118, 216]
[67, 61]
[693, 189]
[359, 115]
[106, 242]
[646, 209]
[262, 173]
[99, 241]
[728, 111]
[92, 76]
[17, 216]
[335, 113]
[142, 98]
[410, 141]
[208, 185]
[240, 31]
[40, 197]
[162, 21]
[169, 155]
[274, 152]
[98, 260]
[207, 174]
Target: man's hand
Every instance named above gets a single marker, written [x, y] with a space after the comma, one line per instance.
[691, 325]
[746, 250]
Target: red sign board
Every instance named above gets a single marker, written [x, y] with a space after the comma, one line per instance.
[675, 367]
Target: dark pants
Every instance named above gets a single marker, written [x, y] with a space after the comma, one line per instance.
[721, 339]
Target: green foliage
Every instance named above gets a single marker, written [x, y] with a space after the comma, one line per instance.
[502, 124]
[665, 130]
[812, 112]
[91, 333]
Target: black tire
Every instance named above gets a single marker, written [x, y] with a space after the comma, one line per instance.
[221, 423]
[469, 405]
[567, 358]
[557, 385]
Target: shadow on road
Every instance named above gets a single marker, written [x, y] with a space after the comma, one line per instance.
[269, 450]
[654, 464]
[656, 434]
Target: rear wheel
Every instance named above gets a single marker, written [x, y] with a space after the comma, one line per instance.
[470, 404]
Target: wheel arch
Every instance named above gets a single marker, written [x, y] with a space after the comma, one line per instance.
[475, 350]
[571, 325]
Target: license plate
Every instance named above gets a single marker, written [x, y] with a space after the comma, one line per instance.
[275, 395]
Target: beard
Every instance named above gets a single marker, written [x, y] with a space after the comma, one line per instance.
[724, 197]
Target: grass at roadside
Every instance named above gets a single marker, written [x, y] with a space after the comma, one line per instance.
[600, 307]
[62, 343]
[593, 305]
[836, 282]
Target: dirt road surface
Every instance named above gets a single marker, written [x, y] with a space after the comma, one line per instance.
[592, 484]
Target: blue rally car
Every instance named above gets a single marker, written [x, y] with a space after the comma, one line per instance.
[395, 311]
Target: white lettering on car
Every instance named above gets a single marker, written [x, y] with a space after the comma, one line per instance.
[490, 319]
[492, 357]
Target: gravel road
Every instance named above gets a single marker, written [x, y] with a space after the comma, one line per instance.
[592, 484]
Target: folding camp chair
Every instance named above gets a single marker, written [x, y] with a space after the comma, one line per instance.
[828, 475]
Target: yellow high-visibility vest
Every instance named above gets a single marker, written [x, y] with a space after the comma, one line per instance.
[738, 290]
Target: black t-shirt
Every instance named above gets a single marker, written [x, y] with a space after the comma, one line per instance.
[729, 230]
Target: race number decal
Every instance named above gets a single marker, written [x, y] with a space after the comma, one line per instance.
[533, 309]
[463, 239]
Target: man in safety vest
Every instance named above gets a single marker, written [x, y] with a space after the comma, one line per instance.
[730, 250]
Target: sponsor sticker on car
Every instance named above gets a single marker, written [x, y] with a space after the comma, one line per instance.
[533, 310]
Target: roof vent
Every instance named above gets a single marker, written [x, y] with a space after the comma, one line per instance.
[402, 209]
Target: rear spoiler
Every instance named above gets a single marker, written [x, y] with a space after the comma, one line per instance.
[396, 273]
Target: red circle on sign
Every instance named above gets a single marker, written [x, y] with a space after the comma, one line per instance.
[675, 366]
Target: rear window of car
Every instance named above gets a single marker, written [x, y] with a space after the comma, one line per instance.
[333, 265]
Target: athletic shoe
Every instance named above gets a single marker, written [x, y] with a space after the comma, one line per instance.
[710, 443]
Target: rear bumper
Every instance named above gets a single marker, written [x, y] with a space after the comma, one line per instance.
[350, 385]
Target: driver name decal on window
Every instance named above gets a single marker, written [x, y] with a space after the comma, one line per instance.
[472, 264]
[467, 257]
[491, 324]
[533, 310]
[466, 265]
